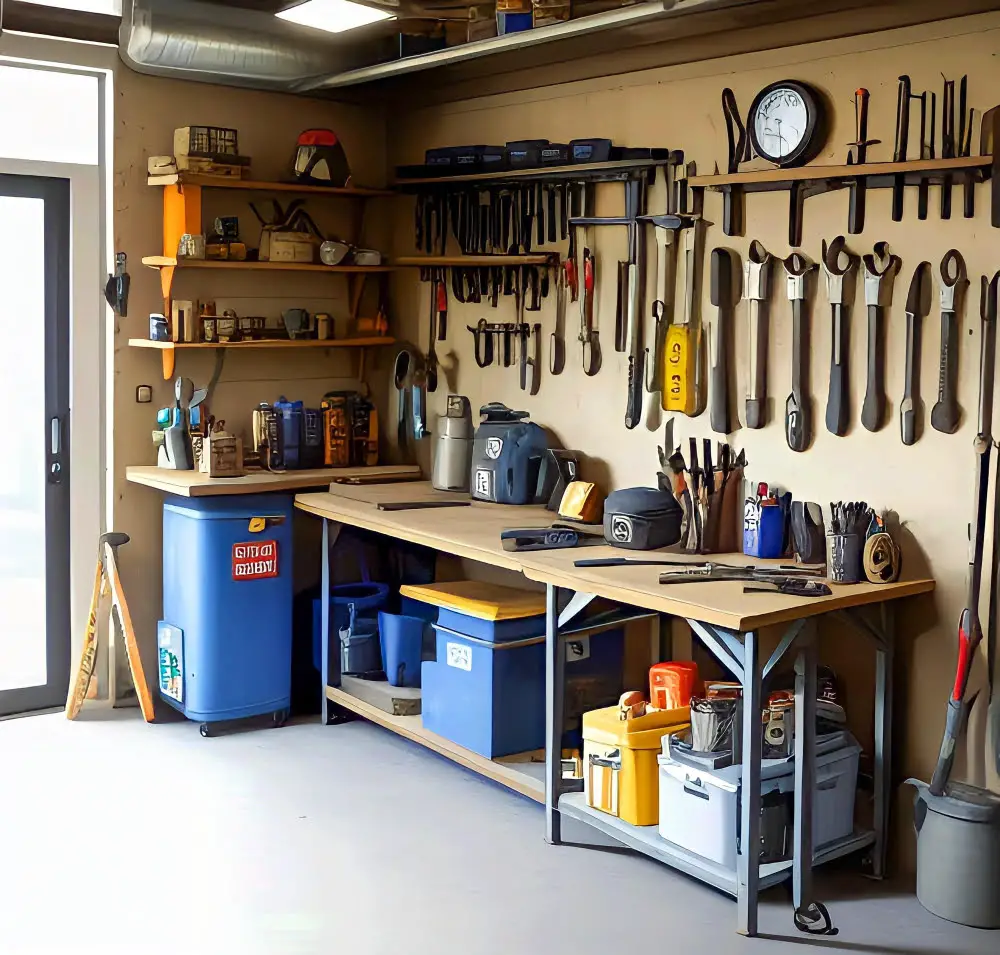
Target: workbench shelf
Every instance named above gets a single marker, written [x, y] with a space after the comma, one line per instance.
[169, 262]
[647, 840]
[168, 349]
[256, 185]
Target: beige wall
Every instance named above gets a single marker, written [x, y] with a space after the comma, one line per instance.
[147, 109]
[930, 484]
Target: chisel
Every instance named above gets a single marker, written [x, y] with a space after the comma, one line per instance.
[917, 306]
[718, 333]
[756, 274]
[798, 423]
[945, 414]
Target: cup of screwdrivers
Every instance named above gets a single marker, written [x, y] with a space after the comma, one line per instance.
[845, 541]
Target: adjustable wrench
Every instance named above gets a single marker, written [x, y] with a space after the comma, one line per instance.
[880, 274]
[945, 414]
[838, 264]
[798, 424]
[756, 288]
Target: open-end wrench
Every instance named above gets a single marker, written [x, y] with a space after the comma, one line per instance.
[880, 274]
[917, 306]
[756, 288]
[945, 414]
[798, 410]
[838, 266]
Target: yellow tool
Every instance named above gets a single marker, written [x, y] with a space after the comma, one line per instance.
[682, 350]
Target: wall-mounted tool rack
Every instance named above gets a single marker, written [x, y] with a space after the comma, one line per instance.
[807, 181]
[615, 171]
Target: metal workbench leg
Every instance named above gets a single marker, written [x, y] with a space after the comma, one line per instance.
[555, 674]
[748, 862]
[884, 663]
[805, 768]
[324, 626]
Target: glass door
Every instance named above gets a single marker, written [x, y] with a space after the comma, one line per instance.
[34, 422]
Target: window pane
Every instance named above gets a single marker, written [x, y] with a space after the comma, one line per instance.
[48, 116]
[23, 479]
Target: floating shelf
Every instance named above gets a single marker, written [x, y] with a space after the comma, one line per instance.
[169, 262]
[168, 349]
[430, 261]
[256, 185]
[582, 171]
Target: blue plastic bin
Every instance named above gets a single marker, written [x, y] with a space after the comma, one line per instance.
[489, 696]
[225, 641]
[402, 647]
[368, 597]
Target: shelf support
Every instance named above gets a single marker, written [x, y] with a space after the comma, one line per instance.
[166, 284]
[167, 359]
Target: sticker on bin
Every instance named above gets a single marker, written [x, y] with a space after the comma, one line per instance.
[459, 656]
[484, 482]
[255, 560]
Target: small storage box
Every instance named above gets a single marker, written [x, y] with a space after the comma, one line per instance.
[486, 611]
[619, 761]
[699, 808]
[225, 642]
[489, 696]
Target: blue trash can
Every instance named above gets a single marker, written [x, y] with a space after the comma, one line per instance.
[225, 641]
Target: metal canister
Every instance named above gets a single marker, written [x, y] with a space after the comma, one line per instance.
[453, 447]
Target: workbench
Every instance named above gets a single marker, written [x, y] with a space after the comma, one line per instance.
[727, 621]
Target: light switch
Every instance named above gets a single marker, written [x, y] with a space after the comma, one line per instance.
[144, 394]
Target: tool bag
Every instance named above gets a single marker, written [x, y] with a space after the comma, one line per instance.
[642, 518]
[506, 456]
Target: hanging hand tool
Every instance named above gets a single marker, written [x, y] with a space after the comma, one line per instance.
[917, 306]
[970, 631]
[945, 414]
[483, 337]
[798, 410]
[903, 96]
[838, 264]
[621, 307]
[739, 150]
[441, 306]
[949, 146]
[927, 149]
[858, 156]
[431, 363]
[965, 122]
[635, 193]
[680, 352]
[665, 228]
[756, 289]
[589, 337]
[880, 274]
[719, 335]
[557, 340]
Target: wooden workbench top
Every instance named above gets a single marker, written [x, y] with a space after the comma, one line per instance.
[474, 533]
[196, 484]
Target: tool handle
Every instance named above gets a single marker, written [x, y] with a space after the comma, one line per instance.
[636, 372]
[837, 404]
[873, 410]
[797, 423]
[719, 376]
[620, 307]
[911, 397]
[945, 414]
[756, 405]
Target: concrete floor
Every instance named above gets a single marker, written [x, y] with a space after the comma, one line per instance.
[119, 837]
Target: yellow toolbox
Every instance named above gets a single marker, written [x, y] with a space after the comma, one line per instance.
[620, 772]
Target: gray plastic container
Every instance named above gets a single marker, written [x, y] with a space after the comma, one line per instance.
[958, 853]
[453, 447]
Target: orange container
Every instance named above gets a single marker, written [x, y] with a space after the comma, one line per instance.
[671, 685]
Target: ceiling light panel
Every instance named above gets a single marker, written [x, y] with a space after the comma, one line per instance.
[333, 16]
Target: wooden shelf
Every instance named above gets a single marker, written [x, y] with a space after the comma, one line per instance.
[581, 171]
[512, 772]
[255, 185]
[430, 261]
[168, 349]
[811, 173]
[170, 262]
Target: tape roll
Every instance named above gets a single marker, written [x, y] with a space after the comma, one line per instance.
[882, 559]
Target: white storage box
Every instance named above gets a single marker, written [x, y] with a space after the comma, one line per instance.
[699, 808]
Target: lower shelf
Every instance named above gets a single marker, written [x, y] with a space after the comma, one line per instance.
[647, 840]
[523, 774]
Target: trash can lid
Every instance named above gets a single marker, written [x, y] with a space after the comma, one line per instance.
[961, 801]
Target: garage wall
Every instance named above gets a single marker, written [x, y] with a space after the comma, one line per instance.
[930, 484]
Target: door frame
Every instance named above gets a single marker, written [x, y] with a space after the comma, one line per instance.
[92, 324]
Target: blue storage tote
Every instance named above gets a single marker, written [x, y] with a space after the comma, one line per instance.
[225, 641]
[489, 696]
[487, 611]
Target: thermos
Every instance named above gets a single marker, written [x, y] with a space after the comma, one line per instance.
[453, 448]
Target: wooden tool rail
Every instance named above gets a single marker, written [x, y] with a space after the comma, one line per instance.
[617, 171]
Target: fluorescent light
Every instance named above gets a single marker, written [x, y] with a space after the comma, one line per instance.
[333, 16]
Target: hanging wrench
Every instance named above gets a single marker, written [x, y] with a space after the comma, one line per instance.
[798, 423]
[756, 288]
[945, 414]
[839, 264]
[880, 275]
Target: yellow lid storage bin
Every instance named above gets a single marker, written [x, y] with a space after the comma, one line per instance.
[620, 773]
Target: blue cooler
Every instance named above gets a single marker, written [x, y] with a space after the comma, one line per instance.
[225, 641]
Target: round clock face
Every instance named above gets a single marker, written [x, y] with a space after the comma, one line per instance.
[785, 123]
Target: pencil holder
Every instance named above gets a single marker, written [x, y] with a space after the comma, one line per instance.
[843, 558]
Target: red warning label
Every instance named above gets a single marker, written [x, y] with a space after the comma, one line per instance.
[255, 561]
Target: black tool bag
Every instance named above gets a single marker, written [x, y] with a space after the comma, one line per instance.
[506, 455]
[642, 518]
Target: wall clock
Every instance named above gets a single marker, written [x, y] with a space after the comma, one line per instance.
[787, 123]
